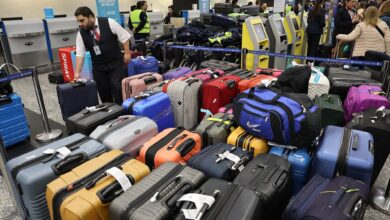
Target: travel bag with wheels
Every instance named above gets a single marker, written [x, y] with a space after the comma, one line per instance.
[332, 110]
[176, 73]
[254, 81]
[142, 64]
[221, 65]
[241, 138]
[134, 85]
[56, 77]
[215, 129]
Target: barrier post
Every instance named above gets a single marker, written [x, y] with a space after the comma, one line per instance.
[244, 53]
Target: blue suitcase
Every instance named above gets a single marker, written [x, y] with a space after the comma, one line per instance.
[300, 161]
[214, 161]
[344, 151]
[156, 106]
[13, 123]
[74, 97]
[142, 65]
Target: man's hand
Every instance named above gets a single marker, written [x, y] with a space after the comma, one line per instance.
[76, 76]
[127, 58]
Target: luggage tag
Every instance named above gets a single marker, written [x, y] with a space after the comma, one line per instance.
[202, 203]
[61, 153]
[207, 113]
[238, 162]
[96, 48]
[96, 108]
[120, 177]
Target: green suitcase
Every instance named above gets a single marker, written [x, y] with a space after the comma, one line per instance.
[331, 109]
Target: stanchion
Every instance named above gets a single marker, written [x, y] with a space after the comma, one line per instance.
[48, 135]
[244, 53]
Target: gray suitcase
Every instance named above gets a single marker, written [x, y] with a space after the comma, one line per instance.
[155, 196]
[184, 99]
[216, 129]
[126, 133]
[31, 172]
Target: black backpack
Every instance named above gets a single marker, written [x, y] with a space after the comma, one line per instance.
[295, 79]
[5, 86]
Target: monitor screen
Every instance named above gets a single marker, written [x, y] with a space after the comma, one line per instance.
[279, 27]
[259, 30]
[295, 22]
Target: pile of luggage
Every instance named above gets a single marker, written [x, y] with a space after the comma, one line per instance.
[216, 143]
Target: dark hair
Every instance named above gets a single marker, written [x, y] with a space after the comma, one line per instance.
[171, 7]
[84, 11]
[133, 7]
[140, 4]
[316, 10]
[234, 2]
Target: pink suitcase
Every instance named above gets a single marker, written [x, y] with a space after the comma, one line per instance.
[227, 109]
[134, 85]
[206, 74]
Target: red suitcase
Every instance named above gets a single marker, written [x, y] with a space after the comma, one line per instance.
[253, 81]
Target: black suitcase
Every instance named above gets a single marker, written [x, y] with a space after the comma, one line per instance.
[88, 119]
[223, 21]
[268, 175]
[218, 64]
[232, 202]
[225, 8]
[56, 77]
[325, 50]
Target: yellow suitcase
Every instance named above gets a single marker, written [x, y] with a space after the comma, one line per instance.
[86, 191]
[243, 139]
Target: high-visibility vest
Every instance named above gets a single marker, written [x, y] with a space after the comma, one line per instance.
[135, 20]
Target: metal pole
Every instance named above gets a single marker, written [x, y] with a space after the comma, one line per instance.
[332, 12]
[165, 52]
[243, 57]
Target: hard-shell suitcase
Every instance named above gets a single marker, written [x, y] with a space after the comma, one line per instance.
[142, 64]
[221, 65]
[176, 73]
[13, 122]
[216, 129]
[268, 175]
[341, 198]
[362, 98]
[156, 106]
[31, 172]
[155, 196]
[300, 160]
[74, 97]
[171, 145]
[227, 109]
[87, 190]
[332, 110]
[206, 74]
[318, 84]
[221, 160]
[225, 8]
[272, 72]
[344, 151]
[88, 119]
[253, 81]
[134, 85]
[241, 138]
[184, 98]
[126, 133]
[232, 202]
[223, 21]
[56, 77]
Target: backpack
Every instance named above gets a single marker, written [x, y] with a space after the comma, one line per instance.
[5, 86]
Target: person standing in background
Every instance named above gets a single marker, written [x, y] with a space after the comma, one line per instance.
[171, 13]
[361, 9]
[234, 4]
[139, 21]
[264, 8]
[315, 27]
[345, 19]
[384, 12]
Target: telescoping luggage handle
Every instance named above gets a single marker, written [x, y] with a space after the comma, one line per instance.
[202, 204]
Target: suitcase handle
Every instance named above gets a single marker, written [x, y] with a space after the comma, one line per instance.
[174, 142]
[94, 181]
[355, 142]
[120, 119]
[156, 196]
[172, 202]
[69, 163]
[5, 100]
[112, 191]
[251, 94]
[186, 147]
[78, 83]
[230, 83]
[150, 80]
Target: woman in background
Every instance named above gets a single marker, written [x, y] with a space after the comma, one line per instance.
[315, 27]
[171, 13]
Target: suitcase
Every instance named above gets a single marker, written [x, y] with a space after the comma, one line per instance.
[141, 65]
[379, 128]
[332, 110]
[160, 87]
[243, 74]
[56, 78]
[232, 202]
[87, 190]
[155, 196]
[242, 139]
[272, 72]
[176, 73]
[228, 109]
[325, 50]
[184, 99]
[206, 74]
[221, 65]
[362, 98]
[219, 92]
[344, 151]
[156, 106]
[268, 175]
[216, 129]
[31, 172]
[74, 97]
[225, 8]
[300, 160]
[13, 122]
[253, 81]
[221, 160]
[340, 198]
[134, 85]
[223, 21]
[171, 145]
[318, 84]
[126, 133]
[88, 119]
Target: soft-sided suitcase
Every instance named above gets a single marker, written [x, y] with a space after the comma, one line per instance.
[272, 72]
[253, 81]
[268, 175]
[176, 73]
[141, 65]
[216, 129]
[88, 119]
[13, 122]
[362, 98]
[31, 172]
[318, 84]
[243, 74]
[171, 145]
[219, 92]
[134, 85]
[184, 98]
[232, 202]
[223, 21]
[126, 133]
[86, 191]
[228, 109]
[155, 196]
[156, 106]
[56, 77]
[332, 110]
[344, 151]
[221, 65]
[241, 138]
[225, 8]
[342, 198]
[221, 160]
[300, 160]
[76, 96]
[206, 74]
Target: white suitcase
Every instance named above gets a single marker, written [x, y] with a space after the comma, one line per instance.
[318, 84]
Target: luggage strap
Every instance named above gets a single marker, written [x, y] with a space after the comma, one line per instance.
[238, 162]
[66, 150]
[341, 162]
[202, 203]
[120, 177]
[223, 121]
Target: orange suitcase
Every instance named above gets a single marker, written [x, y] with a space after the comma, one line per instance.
[253, 81]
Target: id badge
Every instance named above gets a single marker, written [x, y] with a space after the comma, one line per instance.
[97, 50]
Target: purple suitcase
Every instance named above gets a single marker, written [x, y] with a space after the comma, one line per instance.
[176, 73]
[362, 98]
